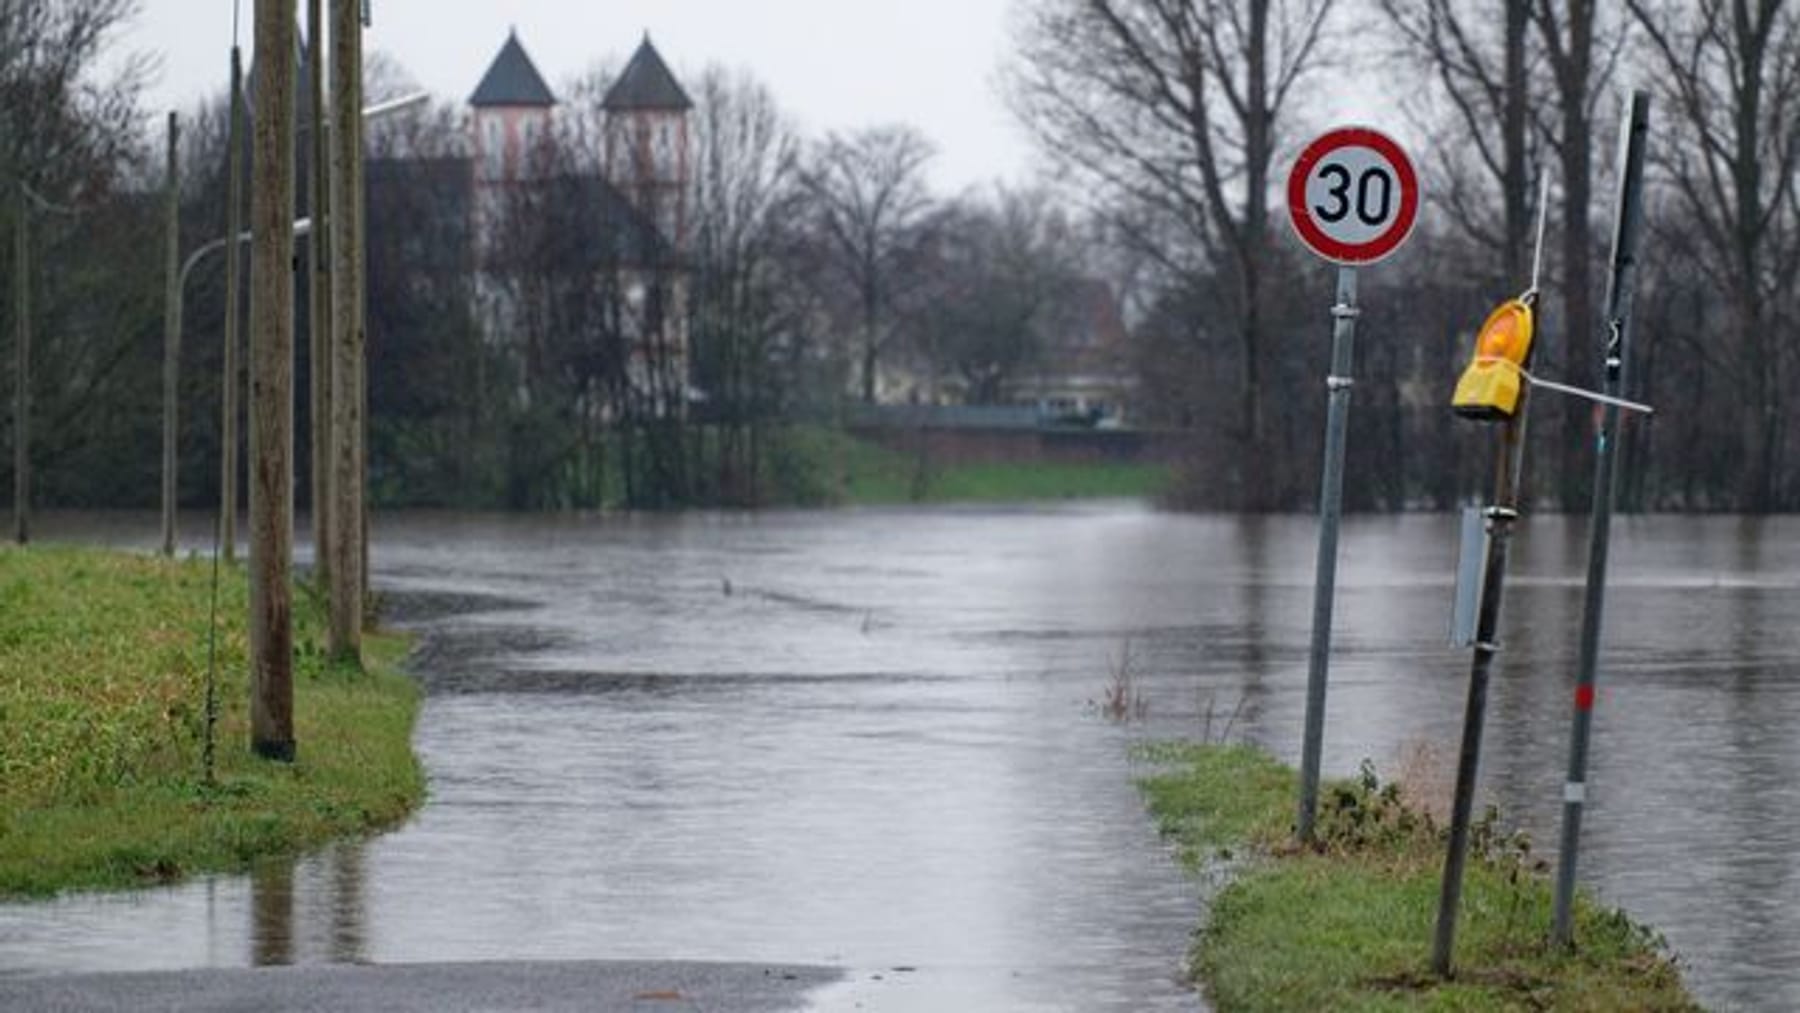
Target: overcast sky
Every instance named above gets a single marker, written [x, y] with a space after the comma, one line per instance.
[832, 64]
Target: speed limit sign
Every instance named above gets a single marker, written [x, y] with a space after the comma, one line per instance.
[1353, 195]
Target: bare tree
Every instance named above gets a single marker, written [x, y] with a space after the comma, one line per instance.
[1731, 78]
[1581, 48]
[64, 130]
[869, 196]
[1479, 63]
[1003, 291]
[68, 141]
[1175, 109]
[745, 161]
[434, 405]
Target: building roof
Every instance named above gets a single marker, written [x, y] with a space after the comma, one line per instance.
[606, 227]
[646, 83]
[512, 80]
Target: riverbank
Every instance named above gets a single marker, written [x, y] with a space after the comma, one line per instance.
[103, 666]
[824, 467]
[1349, 927]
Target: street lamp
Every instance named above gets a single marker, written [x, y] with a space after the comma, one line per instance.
[302, 227]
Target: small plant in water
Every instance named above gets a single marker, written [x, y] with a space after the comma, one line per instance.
[1207, 714]
[1121, 701]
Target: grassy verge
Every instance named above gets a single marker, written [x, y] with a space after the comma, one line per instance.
[817, 466]
[1349, 926]
[103, 661]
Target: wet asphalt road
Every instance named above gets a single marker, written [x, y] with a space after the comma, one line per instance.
[427, 988]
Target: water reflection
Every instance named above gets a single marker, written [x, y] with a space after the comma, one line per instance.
[347, 905]
[865, 739]
[272, 914]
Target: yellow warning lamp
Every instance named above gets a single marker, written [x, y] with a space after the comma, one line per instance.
[1489, 388]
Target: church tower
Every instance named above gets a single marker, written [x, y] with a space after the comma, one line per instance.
[647, 155]
[512, 107]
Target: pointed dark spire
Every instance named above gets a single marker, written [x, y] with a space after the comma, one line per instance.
[646, 83]
[512, 80]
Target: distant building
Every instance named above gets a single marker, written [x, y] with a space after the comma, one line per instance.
[619, 212]
[1084, 373]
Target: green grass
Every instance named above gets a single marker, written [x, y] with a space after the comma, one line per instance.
[814, 466]
[1042, 481]
[103, 660]
[1348, 926]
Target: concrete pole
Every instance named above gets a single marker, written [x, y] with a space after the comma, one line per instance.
[272, 387]
[365, 598]
[231, 383]
[22, 371]
[319, 353]
[171, 335]
[345, 598]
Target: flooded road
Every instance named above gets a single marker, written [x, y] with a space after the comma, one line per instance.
[869, 739]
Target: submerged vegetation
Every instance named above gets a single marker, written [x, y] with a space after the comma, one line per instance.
[1347, 925]
[103, 667]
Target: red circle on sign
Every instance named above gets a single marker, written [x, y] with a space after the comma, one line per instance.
[1314, 235]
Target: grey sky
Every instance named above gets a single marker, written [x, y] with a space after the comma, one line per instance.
[832, 64]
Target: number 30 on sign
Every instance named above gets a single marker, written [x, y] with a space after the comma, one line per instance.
[1353, 195]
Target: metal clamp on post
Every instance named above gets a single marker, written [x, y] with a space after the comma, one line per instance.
[1500, 513]
[1335, 383]
[1345, 311]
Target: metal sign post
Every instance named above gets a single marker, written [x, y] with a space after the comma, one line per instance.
[1628, 223]
[1502, 347]
[1331, 502]
[1353, 198]
[1500, 520]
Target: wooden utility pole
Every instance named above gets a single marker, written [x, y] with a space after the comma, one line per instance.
[231, 383]
[319, 352]
[272, 386]
[347, 333]
[171, 334]
[22, 370]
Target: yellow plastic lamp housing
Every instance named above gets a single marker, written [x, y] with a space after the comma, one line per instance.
[1489, 388]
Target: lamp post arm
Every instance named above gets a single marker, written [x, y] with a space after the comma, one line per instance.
[302, 227]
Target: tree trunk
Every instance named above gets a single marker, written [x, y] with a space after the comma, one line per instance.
[272, 387]
[1260, 484]
[1256, 482]
[1513, 122]
[1583, 341]
[871, 313]
[1571, 48]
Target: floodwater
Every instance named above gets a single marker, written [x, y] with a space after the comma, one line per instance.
[869, 739]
